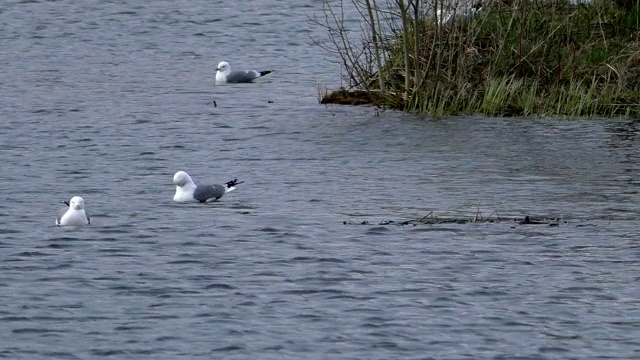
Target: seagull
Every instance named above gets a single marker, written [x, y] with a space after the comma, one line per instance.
[461, 14]
[224, 74]
[188, 191]
[73, 214]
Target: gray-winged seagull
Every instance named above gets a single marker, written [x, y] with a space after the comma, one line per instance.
[73, 214]
[188, 191]
[224, 74]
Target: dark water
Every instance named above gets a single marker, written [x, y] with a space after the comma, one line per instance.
[108, 99]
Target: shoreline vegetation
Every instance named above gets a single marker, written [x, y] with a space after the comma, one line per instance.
[495, 57]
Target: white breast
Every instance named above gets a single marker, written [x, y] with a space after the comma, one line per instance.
[183, 195]
[74, 218]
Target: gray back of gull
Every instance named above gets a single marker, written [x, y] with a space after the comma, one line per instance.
[242, 76]
[206, 192]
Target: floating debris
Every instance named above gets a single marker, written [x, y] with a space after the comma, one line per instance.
[431, 219]
[529, 221]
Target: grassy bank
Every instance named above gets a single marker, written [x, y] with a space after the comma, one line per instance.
[518, 57]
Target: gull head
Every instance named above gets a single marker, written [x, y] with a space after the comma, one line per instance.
[76, 203]
[181, 178]
[223, 67]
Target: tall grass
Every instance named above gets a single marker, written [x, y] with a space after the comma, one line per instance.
[529, 57]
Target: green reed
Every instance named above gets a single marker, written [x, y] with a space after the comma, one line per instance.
[531, 57]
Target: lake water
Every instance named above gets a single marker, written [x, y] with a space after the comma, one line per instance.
[108, 99]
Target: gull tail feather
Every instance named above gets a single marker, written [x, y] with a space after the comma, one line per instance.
[231, 185]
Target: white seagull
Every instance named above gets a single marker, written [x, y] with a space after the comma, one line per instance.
[73, 214]
[457, 14]
[224, 74]
[188, 191]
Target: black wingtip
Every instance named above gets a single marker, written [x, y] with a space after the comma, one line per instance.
[263, 73]
[233, 182]
[66, 203]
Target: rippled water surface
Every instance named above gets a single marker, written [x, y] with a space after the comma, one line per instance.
[107, 99]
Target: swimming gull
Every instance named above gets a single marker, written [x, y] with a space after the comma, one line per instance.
[224, 74]
[188, 191]
[73, 214]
